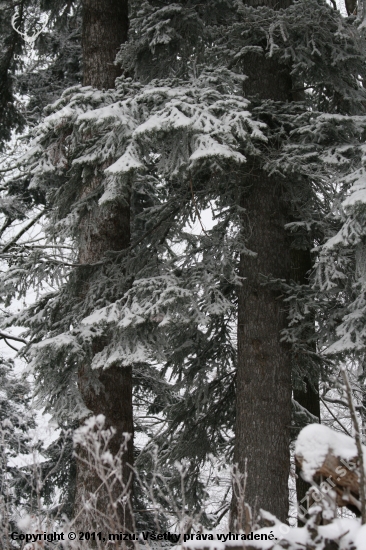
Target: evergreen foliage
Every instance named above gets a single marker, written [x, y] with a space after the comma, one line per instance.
[29, 80]
[16, 422]
[177, 136]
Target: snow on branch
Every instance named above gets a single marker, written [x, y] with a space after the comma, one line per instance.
[325, 454]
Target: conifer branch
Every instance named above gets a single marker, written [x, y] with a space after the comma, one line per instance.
[115, 253]
[336, 401]
[146, 234]
[4, 170]
[21, 233]
[5, 225]
[10, 346]
[196, 207]
[10, 337]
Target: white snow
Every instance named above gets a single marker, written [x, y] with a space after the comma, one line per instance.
[128, 161]
[358, 196]
[60, 341]
[347, 532]
[360, 538]
[107, 112]
[166, 120]
[108, 314]
[208, 147]
[314, 443]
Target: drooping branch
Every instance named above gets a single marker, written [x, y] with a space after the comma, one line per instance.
[10, 346]
[5, 225]
[21, 233]
[11, 337]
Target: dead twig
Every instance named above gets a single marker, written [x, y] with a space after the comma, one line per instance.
[358, 444]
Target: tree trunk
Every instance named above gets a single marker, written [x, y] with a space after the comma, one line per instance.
[308, 398]
[105, 26]
[263, 402]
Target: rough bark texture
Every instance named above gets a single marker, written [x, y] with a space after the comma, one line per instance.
[308, 398]
[263, 409]
[107, 392]
[105, 27]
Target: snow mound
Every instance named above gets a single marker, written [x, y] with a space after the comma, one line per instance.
[315, 442]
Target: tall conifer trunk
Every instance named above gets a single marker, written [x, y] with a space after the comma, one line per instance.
[105, 26]
[263, 408]
[308, 397]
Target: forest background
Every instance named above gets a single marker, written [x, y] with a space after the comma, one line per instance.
[183, 248]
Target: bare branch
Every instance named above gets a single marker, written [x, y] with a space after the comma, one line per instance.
[24, 230]
[5, 225]
[11, 337]
[335, 418]
[10, 346]
[358, 444]
[336, 401]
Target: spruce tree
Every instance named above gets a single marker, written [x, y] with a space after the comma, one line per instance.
[168, 148]
[56, 67]
[29, 81]
[263, 397]
[101, 230]
[10, 113]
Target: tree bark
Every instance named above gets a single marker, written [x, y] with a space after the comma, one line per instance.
[308, 398]
[105, 28]
[263, 397]
[107, 392]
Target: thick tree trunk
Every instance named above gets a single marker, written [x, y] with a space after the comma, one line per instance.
[263, 407]
[105, 26]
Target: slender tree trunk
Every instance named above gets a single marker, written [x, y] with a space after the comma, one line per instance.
[105, 26]
[308, 398]
[263, 407]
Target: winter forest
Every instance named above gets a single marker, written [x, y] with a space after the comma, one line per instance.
[182, 274]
